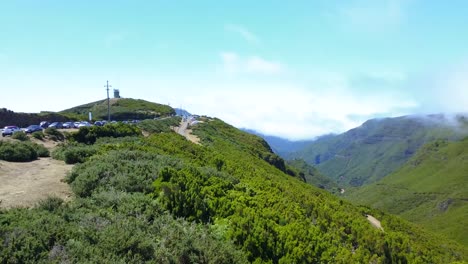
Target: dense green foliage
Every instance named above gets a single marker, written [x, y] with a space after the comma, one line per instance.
[430, 189]
[311, 175]
[121, 109]
[73, 153]
[163, 199]
[17, 151]
[159, 125]
[378, 147]
[20, 135]
[89, 135]
[110, 227]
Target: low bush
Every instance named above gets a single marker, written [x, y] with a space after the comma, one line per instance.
[160, 125]
[89, 135]
[17, 151]
[51, 203]
[38, 135]
[41, 150]
[54, 134]
[20, 135]
[74, 153]
[130, 171]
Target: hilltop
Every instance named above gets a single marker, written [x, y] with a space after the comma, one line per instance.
[430, 189]
[378, 147]
[121, 109]
[161, 198]
[8, 118]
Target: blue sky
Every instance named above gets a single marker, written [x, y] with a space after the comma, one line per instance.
[296, 69]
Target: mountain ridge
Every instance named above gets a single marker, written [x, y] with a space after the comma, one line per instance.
[378, 147]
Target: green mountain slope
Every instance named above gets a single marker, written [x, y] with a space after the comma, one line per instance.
[164, 199]
[430, 189]
[378, 147]
[312, 176]
[121, 109]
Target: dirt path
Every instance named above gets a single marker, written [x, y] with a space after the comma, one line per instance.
[25, 183]
[187, 133]
[374, 222]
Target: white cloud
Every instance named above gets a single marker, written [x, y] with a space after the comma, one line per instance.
[290, 110]
[234, 64]
[244, 33]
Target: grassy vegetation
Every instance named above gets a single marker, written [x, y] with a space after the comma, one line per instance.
[164, 199]
[430, 189]
[377, 148]
[121, 109]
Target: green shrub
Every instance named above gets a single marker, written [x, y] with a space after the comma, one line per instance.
[38, 135]
[41, 150]
[17, 151]
[78, 154]
[89, 135]
[74, 153]
[51, 203]
[130, 171]
[160, 125]
[54, 134]
[20, 135]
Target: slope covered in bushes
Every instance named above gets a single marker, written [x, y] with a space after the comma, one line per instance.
[164, 199]
[430, 189]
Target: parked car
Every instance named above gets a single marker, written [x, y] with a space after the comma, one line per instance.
[68, 125]
[84, 124]
[9, 130]
[56, 125]
[44, 124]
[32, 128]
[76, 124]
[98, 123]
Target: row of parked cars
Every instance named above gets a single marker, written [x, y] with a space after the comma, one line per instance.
[9, 130]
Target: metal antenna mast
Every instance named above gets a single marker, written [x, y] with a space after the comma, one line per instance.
[108, 101]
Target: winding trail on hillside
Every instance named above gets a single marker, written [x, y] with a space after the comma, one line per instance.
[183, 130]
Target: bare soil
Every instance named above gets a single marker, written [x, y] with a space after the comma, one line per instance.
[186, 132]
[23, 184]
